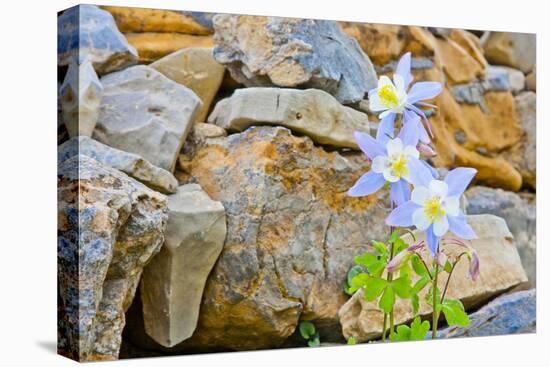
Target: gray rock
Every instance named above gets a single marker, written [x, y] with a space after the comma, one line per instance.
[514, 313]
[131, 164]
[516, 78]
[473, 93]
[173, 283]
[87, 33]
[312, 112]
[109, 227]
[145, 113]
[80, 97]
[517, 50]
[519, 211]
[286, 52]
[526, 108]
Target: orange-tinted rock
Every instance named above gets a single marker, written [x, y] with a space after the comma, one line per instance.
[152, 46]
[456, 62]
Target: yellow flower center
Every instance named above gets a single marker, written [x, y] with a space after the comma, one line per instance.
[433, 209]
[388, 96]
[399, 166]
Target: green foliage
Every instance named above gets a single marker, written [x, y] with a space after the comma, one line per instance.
[352, 341]
[355, 270]
[308, 332]
[417, 331]
[454, 312]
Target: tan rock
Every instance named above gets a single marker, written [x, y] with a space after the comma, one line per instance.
[196, 69]
[173, 282]
[152, 46]
[531, 81]
[155, 20]
[457, 62]
[312, 112]
[517, 50]
[470, 43]
[500, 270]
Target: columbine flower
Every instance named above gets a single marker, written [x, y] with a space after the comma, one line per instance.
[391, 98]
[394, 160]
[435, 207]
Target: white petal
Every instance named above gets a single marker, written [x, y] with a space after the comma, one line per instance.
[384, 80]
[411, 151]
[420, 220]
[420, 195]
[441, 226]
[438, 188]
[380, 163]
[385, 113]
[399, 83]
[451, 205]
[374, 103]
[394, 147]
[389, 176]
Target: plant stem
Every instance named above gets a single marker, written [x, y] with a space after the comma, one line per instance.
[435, 314]
[449, 278]
[384, 327]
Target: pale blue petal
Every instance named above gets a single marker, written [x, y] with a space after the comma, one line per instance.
[423, 90]
[424, 135]
[459, 226]
[459, 179]
[433, 171]
[419, 175]
[409, 134]
[386, 129]
[400, 192]
[369, 145]
[367, 184]
[425, 104]
[402, 215]
[432, 240]
[404, 69]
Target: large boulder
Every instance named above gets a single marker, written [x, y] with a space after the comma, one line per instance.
[312, 112]
[145, 113]
[80, 97]
[500, 270]
[514, 313]
[285, 52]
[195, 68]
[517, 50]
[173, 283]
[519, 211]
[132, 164]
[109, 227]
[87, 33]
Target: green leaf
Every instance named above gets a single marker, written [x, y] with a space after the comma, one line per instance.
[415, 303]
[420, 284]
[454, 313]
[394, 236]
[448, 267]
[418, 265]
[402, 286]
[429, 296]
[374, 287]
[387, 300]
[307, 329]
[355, 270]
[359, 281]
[352, 341]
[380, 247]
[419, 329]
[366, 259]
[315, 342]
[402, 333]
[399, 245]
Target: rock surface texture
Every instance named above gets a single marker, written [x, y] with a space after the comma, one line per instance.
[132, 164]
[173, 283]
[145, 113]
[514, 313]
[80, 97]
[311, 112]
[285, 52]
[500, 270]
[109, 227]
[87, 33]
[196, 69]
[517, 50]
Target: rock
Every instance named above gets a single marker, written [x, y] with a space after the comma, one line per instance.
[519, 211]
[516, 78]
[80, 96]
[155, 20]
[87, 33]
[517, 50]
[132, 164]
[155, 45]
[196, 69]
[531, 81]
[145, 113]
[514, 313]
[109, 227]
[173, 283]
[500, 270]
[292, 234]
[286, 52]
[524, 154]
[457, 62]
[312, 112]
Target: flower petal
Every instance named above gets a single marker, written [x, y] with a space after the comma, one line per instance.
[451, 205]
[432, 240]
[389, 176]
[375, 104]
[404, 69]
[432, 170]
[420, 195]
[399, 192]
[402, 215]
[419, 175]
[369, 145]
[411, 151]
[409, 134]
[414, 118]
[380, 164]
[438, 188]
[386, 129]
[420, 220]
[394, 147]
[367, 184]
[459, 179]
[459, 226]
[441, 226]
[424, 135]
[384, 80]
[424, 90]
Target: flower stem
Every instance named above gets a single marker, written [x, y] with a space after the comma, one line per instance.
[384, 327]
[449, 277]
[435, 314]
